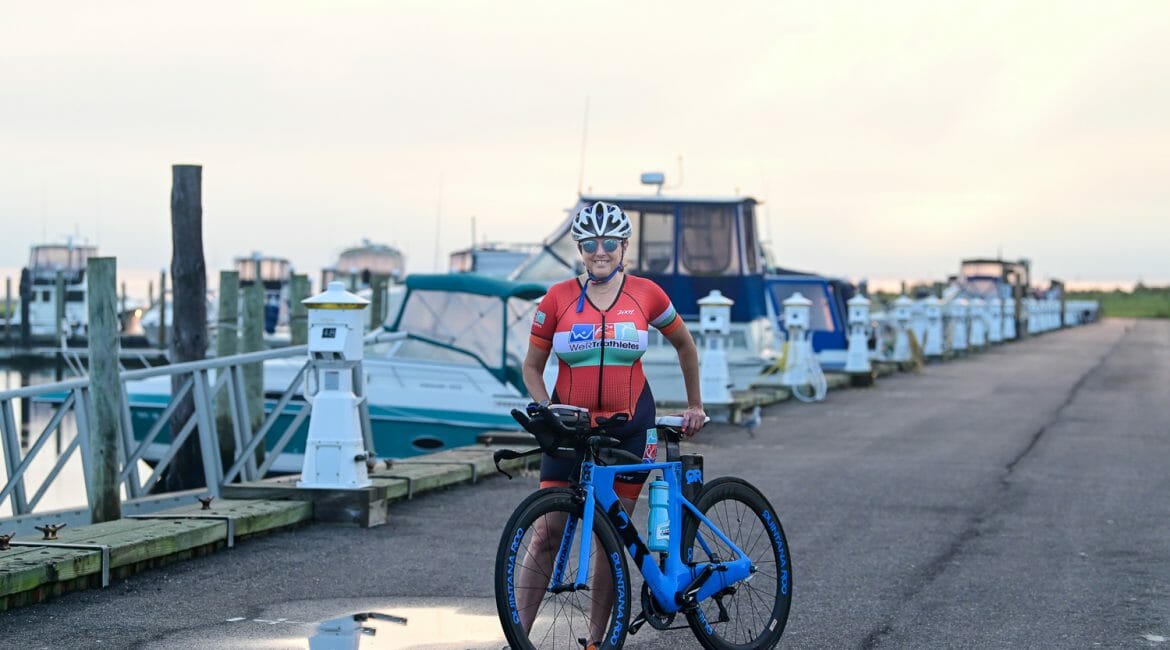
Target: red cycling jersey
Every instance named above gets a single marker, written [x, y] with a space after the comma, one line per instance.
[599, 351]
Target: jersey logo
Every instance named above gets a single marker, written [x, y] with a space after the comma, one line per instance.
[623, 332]
[625, 312]
[539, 317]
[582, 332]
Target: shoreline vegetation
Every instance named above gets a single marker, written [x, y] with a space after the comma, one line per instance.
[1141, 302]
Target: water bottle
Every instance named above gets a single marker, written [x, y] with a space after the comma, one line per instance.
[658, 526]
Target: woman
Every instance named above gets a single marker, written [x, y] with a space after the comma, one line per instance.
[597, 325]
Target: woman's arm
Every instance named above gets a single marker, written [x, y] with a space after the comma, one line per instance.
[688, 361]
[533, 372]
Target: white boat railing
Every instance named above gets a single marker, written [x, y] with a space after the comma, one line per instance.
[215, 387]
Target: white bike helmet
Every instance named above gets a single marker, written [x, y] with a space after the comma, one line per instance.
[601, 219]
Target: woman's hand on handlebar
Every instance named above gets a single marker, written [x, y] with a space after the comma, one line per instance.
[693, 419]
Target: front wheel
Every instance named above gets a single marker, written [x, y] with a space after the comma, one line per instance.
[537, 565]
[752, 613]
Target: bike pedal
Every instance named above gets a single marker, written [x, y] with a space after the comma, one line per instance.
[637, 623]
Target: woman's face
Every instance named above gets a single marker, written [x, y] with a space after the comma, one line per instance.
[602, 254]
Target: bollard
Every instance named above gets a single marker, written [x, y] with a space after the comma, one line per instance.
[960, 326]
[857, 356]
[715, 324]
[994, 321]
[902, 329]
[335, 454]
[932, 344]
[978, 315]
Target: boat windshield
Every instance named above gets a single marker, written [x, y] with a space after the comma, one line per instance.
[819, 292]
[467, 327]
[47, 259]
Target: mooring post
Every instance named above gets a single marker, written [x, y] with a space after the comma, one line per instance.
[188, 335]
[227, 337]
[60, 306]
[105, 389]
[122, 311]
[8, 310]
[25, 299]
[162, 310]
[253, 341]
[377, 302]
[298, 317]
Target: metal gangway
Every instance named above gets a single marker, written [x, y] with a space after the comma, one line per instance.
[217, 383]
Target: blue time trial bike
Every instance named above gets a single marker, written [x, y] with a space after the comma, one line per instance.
[726, 567]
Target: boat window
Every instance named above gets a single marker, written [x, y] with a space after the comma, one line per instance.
[657, 241]
[464, 321]
[820, 313]
[749, 237]
[546, 267]
[44, 296]
[74, 296]
[708, 245]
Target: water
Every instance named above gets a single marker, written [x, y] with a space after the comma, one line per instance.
[68, 490]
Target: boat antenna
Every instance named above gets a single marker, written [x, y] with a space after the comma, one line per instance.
[680, 176]
[584, 135]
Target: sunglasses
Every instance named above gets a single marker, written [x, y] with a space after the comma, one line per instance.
[589, 246]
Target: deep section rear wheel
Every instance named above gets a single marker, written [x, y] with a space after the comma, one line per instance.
[559, 615]
[752, 613]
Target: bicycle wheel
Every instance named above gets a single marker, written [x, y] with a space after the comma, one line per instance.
[537, 614]
[751, 613]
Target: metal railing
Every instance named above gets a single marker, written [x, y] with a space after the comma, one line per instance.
[208, 384]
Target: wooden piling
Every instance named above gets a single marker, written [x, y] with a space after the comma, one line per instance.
[253, 341]
[226, 344]
[298, 320]
[105, 390]
[377, 302]
[8, 311]
[59, 299]
[188, 314]
[162, 307]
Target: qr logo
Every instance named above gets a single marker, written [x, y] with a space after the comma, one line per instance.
[694, 476]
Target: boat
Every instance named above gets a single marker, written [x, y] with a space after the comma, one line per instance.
[491, 258]
[38, 289]
[690, 246]
[448, 371]
[273, 274]
[358, 265]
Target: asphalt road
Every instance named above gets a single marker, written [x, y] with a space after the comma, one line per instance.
[1018, 498]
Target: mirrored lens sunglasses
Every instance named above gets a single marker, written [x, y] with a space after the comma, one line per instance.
[589, 246]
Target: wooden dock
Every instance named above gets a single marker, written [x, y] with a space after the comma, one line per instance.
[34, 569]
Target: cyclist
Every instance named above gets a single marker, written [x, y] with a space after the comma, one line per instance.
[597, 325]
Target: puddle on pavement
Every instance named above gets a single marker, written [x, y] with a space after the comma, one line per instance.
[352, 624]
[406, 628]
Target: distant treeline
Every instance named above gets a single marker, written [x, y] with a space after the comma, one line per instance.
[1142, 302]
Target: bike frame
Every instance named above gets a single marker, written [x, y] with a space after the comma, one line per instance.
[668, 583]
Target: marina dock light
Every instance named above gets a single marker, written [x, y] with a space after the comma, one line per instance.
[335, 452]
[978, 314]
[1009, 319]
[857, 355]
[902, 307]
[801, 367]
[995, 321]
[932, 343]
[960, 325]
[715, 324]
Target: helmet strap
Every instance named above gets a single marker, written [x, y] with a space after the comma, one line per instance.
[595, 280]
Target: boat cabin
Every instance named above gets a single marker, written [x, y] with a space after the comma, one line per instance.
[38, 287]
[689, 246]
[273, 273]
[491, 259]
[995, 278]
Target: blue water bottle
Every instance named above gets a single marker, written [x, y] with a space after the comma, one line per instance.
[658, 526]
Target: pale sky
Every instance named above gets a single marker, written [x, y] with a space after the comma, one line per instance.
[888, 140]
